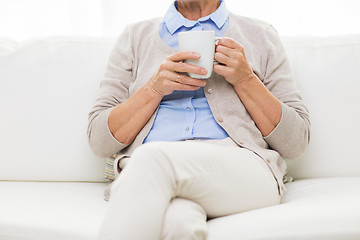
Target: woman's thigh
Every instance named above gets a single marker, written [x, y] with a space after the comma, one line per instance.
[222, 179]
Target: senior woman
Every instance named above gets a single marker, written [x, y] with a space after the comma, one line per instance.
[195, 149]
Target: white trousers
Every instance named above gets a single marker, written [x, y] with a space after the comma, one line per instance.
[169, 189]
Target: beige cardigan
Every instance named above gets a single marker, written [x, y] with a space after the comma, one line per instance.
[137, 55]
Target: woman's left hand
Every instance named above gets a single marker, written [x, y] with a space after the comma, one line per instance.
[264, 108]
[235, 68]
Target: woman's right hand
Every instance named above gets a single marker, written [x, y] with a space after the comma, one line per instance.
[171, 74]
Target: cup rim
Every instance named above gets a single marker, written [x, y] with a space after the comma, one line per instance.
[194, 32]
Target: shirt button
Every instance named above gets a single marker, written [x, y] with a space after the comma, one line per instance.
[220, 119]
[187, 129]
[210, 90]
[268, 160]
[188, 108]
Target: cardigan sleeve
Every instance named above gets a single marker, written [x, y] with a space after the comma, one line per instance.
[114, 89]
[292, 134]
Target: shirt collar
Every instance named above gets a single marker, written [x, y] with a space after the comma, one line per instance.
[174, 20]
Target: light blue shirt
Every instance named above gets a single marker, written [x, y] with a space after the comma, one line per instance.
[186, 114]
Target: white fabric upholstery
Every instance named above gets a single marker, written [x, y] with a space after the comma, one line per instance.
[326, 70]
[47, 87]
[321, 209]
[56, 211]
[325, 208]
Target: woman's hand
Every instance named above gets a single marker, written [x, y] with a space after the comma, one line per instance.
[235, 68]
[170, 76]
[264, 108]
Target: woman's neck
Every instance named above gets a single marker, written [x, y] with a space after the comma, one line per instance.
[195, 9]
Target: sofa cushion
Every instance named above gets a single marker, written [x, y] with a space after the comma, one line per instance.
[326, 70]
[311, 209]
[8, 45]
[56, 211]
[321, 209]
[47, 89]
[48, 85]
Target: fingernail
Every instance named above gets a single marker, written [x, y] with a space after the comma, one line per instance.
[203, 71]
[196, 54]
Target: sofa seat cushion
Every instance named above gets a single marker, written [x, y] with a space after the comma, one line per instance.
[324, 208]
[50, 210]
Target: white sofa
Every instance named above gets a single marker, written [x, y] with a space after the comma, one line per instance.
[52, 185]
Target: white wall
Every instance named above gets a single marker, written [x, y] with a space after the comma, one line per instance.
[311, 17]
[23, 19]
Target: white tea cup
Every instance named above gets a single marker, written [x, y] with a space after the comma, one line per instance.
[202, 42]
